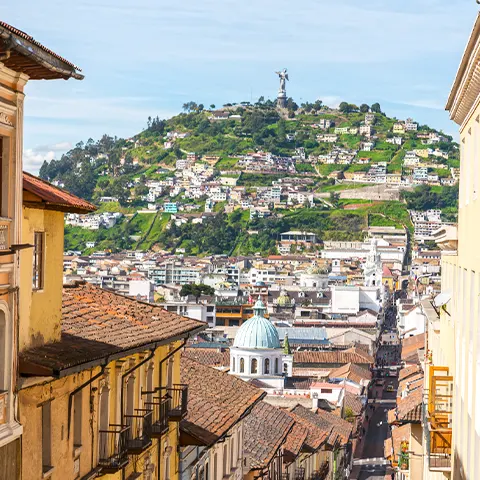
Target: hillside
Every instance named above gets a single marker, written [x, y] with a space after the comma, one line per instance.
[219, 160]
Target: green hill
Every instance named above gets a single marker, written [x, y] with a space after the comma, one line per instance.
[114, 167]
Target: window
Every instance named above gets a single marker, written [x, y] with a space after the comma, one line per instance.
[254, 366]
[326, 390]
[207, 471]
[225, 460]
[285, 368]
[38, 260]
[242, 365]
[77, 419]
[233, 364]
[215, 467]
[47, 436]
[130, 395]
[267, 366]
[276, 365]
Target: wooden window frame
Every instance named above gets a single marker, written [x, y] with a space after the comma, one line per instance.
[38, 274]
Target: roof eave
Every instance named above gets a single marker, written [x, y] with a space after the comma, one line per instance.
[28, 49]
[458, 83]
[103, 360]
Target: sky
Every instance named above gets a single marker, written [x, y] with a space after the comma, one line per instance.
[149, 57]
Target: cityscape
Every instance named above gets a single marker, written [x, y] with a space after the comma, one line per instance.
[271, 289]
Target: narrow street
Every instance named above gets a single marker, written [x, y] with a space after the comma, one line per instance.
[371, 464]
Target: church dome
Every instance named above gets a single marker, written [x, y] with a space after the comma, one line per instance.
[258, 331]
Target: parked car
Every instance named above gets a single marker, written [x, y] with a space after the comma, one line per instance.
[390, 388]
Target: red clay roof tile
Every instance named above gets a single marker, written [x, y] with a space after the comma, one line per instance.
[55, 198]
[216, 401]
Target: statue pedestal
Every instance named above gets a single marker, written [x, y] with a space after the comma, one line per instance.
[282, 100]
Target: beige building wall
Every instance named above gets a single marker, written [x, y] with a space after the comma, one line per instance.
[454, 340]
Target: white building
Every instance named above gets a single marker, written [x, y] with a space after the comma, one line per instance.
[257, 353]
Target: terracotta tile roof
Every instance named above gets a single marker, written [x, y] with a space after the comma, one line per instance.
[392, 445]
[295, 440]
[352, 372]
[97, 323]
[317, 431]
[409, 408]
[265, 430]
[298, 383]
[311, 372]
[340, 426]
[334, 357]
[25, 36]
[411, 383]
[55, 198]
[353, 402]
[408, 372]
[209, 356]
[216, 401]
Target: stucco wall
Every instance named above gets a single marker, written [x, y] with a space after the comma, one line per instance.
[40, 311]
[64, 453]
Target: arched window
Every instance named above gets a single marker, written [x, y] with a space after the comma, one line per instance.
[276, 365]
[233, 364]
[266, 370]
[130, 395]
[149, 397]
[242, 365]
[254, 366]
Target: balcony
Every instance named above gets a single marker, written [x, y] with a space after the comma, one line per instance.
[113, 448]
[437, 419]
[176, 397]
[159, 409]
[139, 436]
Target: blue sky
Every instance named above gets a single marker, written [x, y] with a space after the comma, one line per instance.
[148, 57]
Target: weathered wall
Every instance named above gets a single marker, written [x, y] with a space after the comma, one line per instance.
[40, 311]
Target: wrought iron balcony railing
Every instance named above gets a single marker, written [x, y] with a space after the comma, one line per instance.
[159, 410]
[139, 435]
[113, 453]
[177, 398]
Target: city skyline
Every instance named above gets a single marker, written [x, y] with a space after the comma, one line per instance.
[141, 60]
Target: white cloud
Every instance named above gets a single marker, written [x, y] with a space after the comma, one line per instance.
[32, 160]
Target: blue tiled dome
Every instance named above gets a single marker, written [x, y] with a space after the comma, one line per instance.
[257, 332]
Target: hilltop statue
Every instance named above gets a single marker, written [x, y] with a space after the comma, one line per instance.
[282, 93]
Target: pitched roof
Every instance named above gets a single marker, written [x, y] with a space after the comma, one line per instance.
[332, 357]
[339, 425]
[353, 402]
[296, 439]
[411, 346]
[266, 429]
[408, 409]
[408, 372]
[29, 56]
[54, 198]
[352, 372]
[213, 357]
[317, 431]
[216, 401]
[97, 324]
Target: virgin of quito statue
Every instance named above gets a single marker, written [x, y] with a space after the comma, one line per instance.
[282, 93]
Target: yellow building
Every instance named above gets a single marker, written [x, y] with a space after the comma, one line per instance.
[452, 426]
[21, 59]
[99, 388]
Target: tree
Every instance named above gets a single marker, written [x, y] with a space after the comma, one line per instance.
[364, 108]
[212, 106]
[343, 107]
[196, 290]
[334, 199]
[376, 108]
[200, 107]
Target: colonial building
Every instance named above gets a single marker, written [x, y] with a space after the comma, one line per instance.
[452, 373]
[99, 387]
[257, 353]
[21, 59]
[213, 431]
